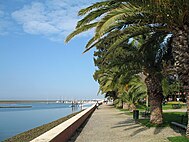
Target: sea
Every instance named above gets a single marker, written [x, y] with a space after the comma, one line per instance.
[17, 120]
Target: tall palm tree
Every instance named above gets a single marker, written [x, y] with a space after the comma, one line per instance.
[113, 69]
[130, 56]
[125, 19]
[152, 68]
[115, 37]
[173, 16]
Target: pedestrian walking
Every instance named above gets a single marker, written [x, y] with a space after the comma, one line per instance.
[97, 104]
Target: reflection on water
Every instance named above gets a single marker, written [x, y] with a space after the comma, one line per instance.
[16, 120]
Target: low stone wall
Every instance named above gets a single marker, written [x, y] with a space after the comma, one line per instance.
[64, 131]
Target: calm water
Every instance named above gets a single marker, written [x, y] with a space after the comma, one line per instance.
[16, 120]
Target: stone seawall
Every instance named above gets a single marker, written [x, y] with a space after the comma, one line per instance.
[65, 130]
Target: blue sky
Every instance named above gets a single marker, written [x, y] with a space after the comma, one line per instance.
[35, 62]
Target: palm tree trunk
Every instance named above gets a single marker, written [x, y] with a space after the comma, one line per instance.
[155, 94]
[132, 107]
[187, 130]
[180, 44]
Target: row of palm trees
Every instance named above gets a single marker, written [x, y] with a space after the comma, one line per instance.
[134, 36]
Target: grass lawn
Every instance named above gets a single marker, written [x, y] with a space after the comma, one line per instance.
[168, 118]
[168, 105]
[178, 139]
[141, 108]
[126, 111]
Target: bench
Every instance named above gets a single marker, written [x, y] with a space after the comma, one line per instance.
[184, 118]
[179, 125]
[146, 113]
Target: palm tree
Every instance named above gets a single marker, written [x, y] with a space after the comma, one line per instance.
[111, 94]
[124, 19]
[135, 92]
[176, 22]
[113, 73]
[110, 38]
[130, 57]
[152, 68]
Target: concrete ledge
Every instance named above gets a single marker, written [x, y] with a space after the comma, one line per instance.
[65, 130]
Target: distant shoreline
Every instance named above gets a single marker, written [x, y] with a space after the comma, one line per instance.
[15, 106]
[25, 101]
[44, 101]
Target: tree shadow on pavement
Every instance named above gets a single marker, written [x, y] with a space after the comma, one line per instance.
[128, 122]
[130, 128]
[158, 130]
[139, 131]
[123, 125]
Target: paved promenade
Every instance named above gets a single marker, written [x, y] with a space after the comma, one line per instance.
[108, 124]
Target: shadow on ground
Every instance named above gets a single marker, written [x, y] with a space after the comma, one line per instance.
[139, 131]
[128, 122]
[137, 128]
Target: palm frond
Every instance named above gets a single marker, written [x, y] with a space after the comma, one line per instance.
[94, 6]
[128, 33]
[94, 41]
[91, 16]
[80, 30]
[99, 5]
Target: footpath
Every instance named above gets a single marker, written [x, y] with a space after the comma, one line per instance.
[108, 124]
